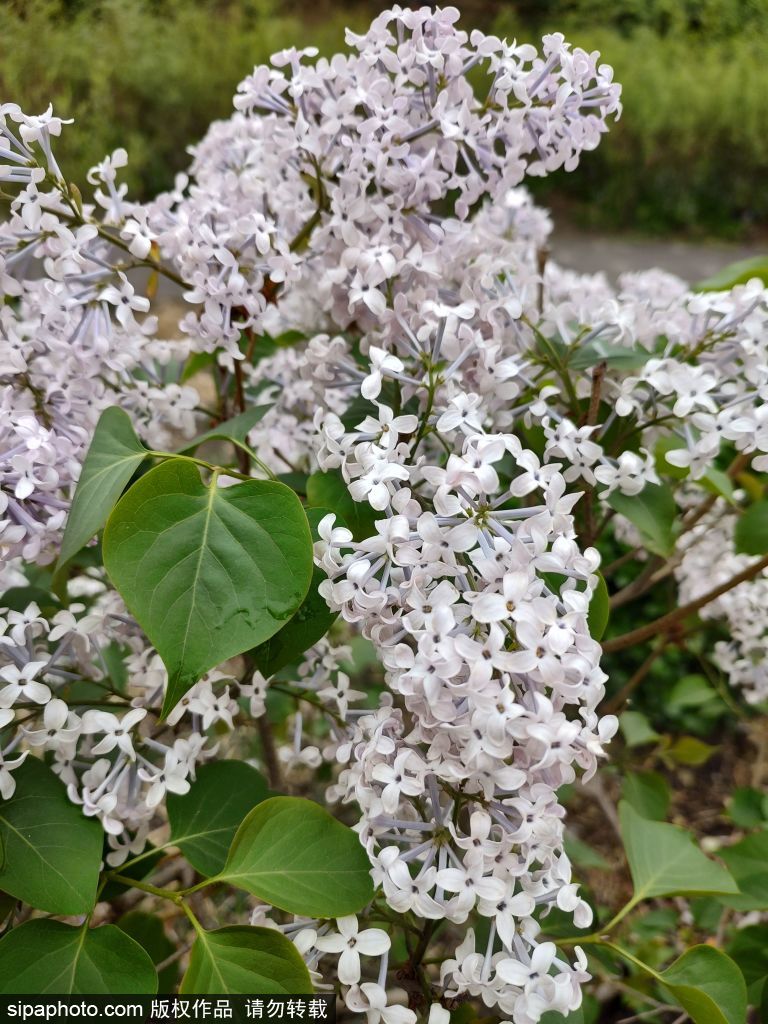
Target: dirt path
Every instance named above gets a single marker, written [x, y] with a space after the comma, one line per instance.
[615, 255]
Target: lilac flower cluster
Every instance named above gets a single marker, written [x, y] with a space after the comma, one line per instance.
[708, 559]
[70, 340]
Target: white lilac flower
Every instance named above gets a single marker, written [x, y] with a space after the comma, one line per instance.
[7, 781]
[61, 728]
[116, 732]
[371, 999]
[22, 683]
[351, 943]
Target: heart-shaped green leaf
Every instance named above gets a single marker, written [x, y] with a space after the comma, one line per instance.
[293, 854]
[203, 821]
[751, 533]
[208, 571]
[241, 959]
[708, 985]
[113, 457]
[328, 491]
[736, 273]
[648, 793]
[747, 861]
[308, 625]
[664, 861]
[46, 956]
[51, 851]
[148, 931]
[599, 609]
[653, 512]
[749, 949]
[236, 429]
[616, 357]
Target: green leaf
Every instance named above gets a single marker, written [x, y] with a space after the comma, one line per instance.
[636, 729]
[328, 490]
[310, 623]
[204, 821]
[45, 956]
[553, 1017]
[293, 854]
[707, 912]
[113, 457]
[747, 807]
[150, 856]
[751, 533]
[296, 481]
[664, 468]
[616, 357]
[599, 609]
[747, 861]
[736, 273]
[692, 691]
[656, 923]
[653, 512]
[749, 949]
[289, 338]
[242, 959]
[664, 861]
[236, 429]
[583, 854]
[648, 793]
[708, 985]
[717, 482]
[18, 598]
[208, 572]
[148, 931]
[690, 750]
[197, 363]
[52, 852]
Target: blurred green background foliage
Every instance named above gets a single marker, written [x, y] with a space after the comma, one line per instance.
[689, 154]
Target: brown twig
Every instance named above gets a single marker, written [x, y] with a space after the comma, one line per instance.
[269, 751]
[622, 560]
[663, 624]
[618, 700]
[638, 584]
[598, 375]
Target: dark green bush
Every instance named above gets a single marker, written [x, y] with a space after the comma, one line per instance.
[712, 19]
[148, 75]
[691, 148]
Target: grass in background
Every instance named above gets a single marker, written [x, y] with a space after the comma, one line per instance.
[147, 75]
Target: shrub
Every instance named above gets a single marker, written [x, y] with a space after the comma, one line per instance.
[688, 152]
[144, 75]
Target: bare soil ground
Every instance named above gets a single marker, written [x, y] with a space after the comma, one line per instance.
[617, 254]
